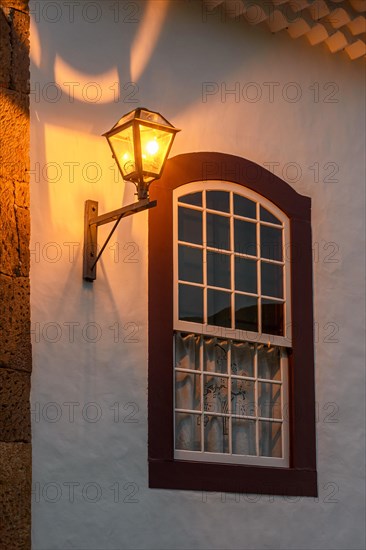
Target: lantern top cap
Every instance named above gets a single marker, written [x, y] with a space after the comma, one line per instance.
[142, 113]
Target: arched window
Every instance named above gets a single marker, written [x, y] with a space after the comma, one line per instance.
[232, 324]
[230, 330]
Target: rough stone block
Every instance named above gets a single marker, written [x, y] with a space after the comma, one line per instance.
[22, 197]
[14, 139]
[23, 224]
[20, 55]
[14, 406]
[9, 241]
[22, 5]
[5, 51]
[15, 338]
[15, 495]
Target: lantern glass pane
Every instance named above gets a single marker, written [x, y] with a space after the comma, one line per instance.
[122, 145]
[153, 117]
[154, 148]
[126, 118]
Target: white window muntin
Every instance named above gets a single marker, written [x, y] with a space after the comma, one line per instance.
[233, 333]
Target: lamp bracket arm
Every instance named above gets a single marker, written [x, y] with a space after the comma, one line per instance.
[91, 223]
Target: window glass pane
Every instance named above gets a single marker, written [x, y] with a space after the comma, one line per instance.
[242, 358]
[192, 198]
[271, 243]
[269, 365]
[246, 312]
[245, 237]
[218, 269]
[244, 437]
[244, 207]
[187, 432]
[216, 434]
[218, 200]
[215, 355]
[215, 392]
[187, 391]
[272, 280]
[242, 397]
[266, 216]
[190, 264]
[269, 400]
[270, 439]
[191, 303]
[187, 351]
[218, 308]
[245, 275]
[189, 225]
[272, 317]
[218, 231]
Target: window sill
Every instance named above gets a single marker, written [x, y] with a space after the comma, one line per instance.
[231, 478]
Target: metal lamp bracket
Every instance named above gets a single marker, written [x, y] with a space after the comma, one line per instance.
[91, 224]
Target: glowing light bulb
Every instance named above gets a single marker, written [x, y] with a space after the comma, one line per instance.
[126, 156]
[152, 147]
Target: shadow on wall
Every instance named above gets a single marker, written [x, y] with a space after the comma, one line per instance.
[92, 63]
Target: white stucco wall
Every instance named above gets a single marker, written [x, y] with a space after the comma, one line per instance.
[89, 399]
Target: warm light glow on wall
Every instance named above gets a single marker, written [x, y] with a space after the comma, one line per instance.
[68, 174]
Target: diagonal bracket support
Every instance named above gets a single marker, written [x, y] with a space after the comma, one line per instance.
[91, 223]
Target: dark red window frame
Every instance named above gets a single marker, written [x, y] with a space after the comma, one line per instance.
[165, 472]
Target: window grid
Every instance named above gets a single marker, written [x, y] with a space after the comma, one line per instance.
[258, 258]
[232, 413]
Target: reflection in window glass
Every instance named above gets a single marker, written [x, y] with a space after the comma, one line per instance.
[271, 243]
[190, 264]
[193, 198]
[245, 275]
[272, 317]
[218, 269]
[244, 207]
[246, 312]
[191, 303]
[272, 280]
[190, 225]
[218, 200]
[218, 308]
[218, 231]
[266, 216]
[245, 239]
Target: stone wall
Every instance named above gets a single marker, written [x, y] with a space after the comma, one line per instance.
[15, 344]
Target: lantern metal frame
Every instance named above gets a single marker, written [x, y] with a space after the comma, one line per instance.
[137, 177]
[92, 220]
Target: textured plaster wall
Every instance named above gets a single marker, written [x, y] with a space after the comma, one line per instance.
[89, 389]
[15, 344]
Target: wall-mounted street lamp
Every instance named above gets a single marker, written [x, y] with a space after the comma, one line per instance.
[140, 143]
